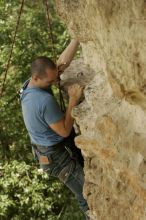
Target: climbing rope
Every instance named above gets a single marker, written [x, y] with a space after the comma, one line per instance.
[12, 47]
[62, 103]
[50, 30]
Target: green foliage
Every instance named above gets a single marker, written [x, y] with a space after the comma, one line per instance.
[24, 192]
[32, 41]
[29, 194]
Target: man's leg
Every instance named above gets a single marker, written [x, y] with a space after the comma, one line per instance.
[75, 183]
[75, 179]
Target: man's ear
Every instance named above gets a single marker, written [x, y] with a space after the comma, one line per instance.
[35, 77]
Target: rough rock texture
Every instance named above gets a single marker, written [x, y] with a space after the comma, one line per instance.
[112, 117]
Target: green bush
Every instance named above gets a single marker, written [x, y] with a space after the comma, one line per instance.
[27, 193]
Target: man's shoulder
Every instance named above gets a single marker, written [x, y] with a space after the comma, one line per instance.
[36, 94]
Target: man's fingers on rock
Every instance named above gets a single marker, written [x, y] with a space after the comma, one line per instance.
[75, 87]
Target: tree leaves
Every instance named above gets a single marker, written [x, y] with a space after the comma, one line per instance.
[25, 193]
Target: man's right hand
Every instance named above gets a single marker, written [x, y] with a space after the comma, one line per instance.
[75, 91]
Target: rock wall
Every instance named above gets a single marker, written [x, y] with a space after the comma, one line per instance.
[112, 116]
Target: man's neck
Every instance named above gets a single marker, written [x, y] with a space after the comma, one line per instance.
[32, 84]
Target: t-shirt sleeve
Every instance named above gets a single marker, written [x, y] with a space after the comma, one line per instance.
[51, 110]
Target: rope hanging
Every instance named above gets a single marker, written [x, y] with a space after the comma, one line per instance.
[50, 30]
[12, 47]
[62, 104]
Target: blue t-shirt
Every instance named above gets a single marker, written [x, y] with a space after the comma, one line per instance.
[40, 109]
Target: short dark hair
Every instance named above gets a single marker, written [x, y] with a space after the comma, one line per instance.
[41, 64]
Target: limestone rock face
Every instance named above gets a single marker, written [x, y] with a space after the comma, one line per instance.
[112, 115]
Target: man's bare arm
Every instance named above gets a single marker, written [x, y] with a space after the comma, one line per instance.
[64, 126]
[67, 55]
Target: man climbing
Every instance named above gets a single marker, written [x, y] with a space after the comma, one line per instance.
[51, 130]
